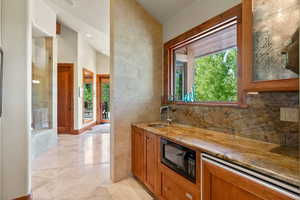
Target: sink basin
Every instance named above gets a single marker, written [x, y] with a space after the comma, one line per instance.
[157, 125]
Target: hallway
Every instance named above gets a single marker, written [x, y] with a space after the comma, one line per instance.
[78, 169]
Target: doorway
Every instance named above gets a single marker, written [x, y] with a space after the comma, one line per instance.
[65, 105]
[103, 98]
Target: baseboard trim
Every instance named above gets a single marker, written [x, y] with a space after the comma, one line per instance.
[28, 197]
[82, 130]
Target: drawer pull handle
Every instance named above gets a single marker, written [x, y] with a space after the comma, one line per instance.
[189, 196]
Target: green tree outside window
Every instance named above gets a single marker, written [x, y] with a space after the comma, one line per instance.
[216, 77]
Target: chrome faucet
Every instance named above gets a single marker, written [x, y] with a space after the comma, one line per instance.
[169, 120]
[162, 108]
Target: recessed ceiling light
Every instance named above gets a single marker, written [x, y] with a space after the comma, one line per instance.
[88, 35]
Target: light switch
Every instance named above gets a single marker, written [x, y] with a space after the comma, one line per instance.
[289, 114]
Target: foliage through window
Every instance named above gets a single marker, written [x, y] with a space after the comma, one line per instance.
[88, 96]
[206, 69]
[215, 76]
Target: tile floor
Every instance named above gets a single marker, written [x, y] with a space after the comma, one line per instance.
[78, 169]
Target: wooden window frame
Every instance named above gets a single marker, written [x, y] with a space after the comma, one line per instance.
[91, 73]
[291, 84]
[99, 94]
[194, 34]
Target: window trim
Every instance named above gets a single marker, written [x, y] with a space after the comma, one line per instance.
[233, 14]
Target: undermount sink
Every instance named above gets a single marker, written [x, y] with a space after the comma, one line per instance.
[157, 125]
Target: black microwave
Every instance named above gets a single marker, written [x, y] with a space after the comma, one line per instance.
[178, 158]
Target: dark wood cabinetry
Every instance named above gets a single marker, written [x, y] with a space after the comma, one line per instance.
[163, 182]
[214, 181]
[138, 154]
[175, 187]
[222, 184]
[144, 157]
[150, 161]
[173, 190]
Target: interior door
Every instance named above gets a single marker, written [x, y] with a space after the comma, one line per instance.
[65, 98]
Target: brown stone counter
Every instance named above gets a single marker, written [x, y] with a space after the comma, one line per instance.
[270, 159]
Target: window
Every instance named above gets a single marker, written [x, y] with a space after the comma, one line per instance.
[203, 64]
[42, 74]
[88, 96]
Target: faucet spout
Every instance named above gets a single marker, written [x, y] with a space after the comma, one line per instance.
[162, 108]
[169, 120]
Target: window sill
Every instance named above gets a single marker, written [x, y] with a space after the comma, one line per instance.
[210, 104]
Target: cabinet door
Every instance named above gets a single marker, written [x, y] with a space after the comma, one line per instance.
[138, 167]
[221, 184]
[150, 159]
[270, 64]
[173, 190]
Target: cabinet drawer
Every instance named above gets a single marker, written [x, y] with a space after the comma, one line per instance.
[172, 190]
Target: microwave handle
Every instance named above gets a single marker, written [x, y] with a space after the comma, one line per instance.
[185, 159]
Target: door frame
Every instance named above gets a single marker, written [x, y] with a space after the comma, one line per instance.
[71, 68]
[99, 109]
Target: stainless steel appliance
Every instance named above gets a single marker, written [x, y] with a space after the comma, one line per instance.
[179, 158]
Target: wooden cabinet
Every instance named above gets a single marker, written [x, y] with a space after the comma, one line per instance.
[138, 154]
[144, 157]
[150, 161]
[260, 59]
[214, 179]
[219, 183]
[174, 189]
[163, 182]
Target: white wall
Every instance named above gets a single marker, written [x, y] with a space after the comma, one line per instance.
[67, 52]
[102, 63]
[195, 14]
[86, 54]
[44, 25]
[44, 18]
[16, 118]
[67, 46]
[73, 48]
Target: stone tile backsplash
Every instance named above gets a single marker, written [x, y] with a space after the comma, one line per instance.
[261, 120]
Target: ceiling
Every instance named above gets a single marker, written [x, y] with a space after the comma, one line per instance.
[89, 18]
[162, 10]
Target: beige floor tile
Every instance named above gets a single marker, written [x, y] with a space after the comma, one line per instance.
[78, 169]
[128, 189]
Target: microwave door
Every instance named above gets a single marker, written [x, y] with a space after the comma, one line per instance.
[190, 164]
[175, 155]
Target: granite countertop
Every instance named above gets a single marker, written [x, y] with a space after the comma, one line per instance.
[267, 158]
